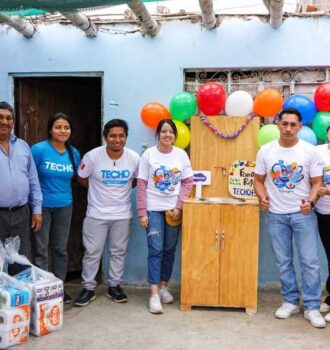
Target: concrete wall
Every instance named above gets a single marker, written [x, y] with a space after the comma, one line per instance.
[139, 69]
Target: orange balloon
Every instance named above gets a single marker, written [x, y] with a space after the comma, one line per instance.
[152, 113]
[268, 103]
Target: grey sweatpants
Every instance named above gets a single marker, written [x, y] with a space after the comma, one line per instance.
[55, 230]
[95, 234]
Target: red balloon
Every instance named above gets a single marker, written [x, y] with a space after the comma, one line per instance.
[211, 98]
[322, 97]
[152, 113]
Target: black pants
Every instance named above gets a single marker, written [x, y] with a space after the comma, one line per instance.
[323, 222]
[17, 223]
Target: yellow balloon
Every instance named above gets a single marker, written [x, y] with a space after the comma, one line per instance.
[183, 138]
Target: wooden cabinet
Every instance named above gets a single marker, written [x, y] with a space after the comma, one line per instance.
[219, 255]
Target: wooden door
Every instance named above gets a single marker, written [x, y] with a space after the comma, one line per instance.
[200, 255]
[80, 98]
[239, 255]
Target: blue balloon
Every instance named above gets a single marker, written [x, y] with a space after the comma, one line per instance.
[304, 105]
[308, 135]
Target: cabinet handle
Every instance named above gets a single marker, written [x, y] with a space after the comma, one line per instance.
[223, 240]
[216, 240]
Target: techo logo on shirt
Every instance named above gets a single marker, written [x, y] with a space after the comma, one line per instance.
[59, 167]
[115, 177]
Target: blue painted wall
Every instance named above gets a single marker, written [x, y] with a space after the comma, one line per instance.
[139, 69]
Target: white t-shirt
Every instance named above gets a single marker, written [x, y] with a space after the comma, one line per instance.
[109, 183]
[288, 171]
[323, 204]
[164, 172]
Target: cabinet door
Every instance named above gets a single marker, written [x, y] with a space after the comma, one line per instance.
[239, 255]
[200, 255]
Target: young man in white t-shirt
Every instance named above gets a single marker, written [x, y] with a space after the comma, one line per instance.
[288, 175]
[109, 173]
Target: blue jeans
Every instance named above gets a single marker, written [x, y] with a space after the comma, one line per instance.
[282, 228]
[162, 240]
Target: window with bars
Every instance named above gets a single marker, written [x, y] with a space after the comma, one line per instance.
[289, 81]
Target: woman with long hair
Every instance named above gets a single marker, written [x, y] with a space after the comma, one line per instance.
[56, 161]
[164, 182]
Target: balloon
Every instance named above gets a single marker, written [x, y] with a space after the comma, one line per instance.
[322, 97]
[239, 103]
[183, 105]
[320, 125]
[183, 138]
[308, 135]
[152, 113]
[211, 98]
[304, 105]
[267, 133]
[268, 103]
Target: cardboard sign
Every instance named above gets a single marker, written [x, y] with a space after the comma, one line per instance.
[241, 179]
[201, 177]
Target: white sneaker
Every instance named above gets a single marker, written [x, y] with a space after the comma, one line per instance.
[324, 307]
[155, 306]
[327, 317]
[286, 310]
[165, 296]
[315, 318]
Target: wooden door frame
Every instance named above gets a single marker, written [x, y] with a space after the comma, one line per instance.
[96, 74]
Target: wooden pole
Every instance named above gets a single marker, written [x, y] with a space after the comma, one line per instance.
[275, 8]
[20, 24]
[209, 19]
[149, 24]
[82, 22]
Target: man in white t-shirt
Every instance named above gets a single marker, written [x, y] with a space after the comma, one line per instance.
[288, 175]
[109, 173]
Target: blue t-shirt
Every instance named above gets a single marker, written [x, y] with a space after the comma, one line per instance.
[55, 171]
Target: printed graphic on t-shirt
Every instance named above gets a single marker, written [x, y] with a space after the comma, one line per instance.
[115, 177]
[58, 167]
[326, 175]
[82, 165]
[286, 176]
[166, 179]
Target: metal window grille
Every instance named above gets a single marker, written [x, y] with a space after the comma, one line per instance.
[289, 81]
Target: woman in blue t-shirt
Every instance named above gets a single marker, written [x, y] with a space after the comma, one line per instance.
[56, 161]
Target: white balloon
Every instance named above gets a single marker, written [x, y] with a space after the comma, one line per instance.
[239, 103]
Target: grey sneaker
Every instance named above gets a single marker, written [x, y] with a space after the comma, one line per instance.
[286, 310]
[315, 318]
[155, 306]
[165, 296]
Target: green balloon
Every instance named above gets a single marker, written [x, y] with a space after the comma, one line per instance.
[267, 133]
[182, 106]
[320, 123]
